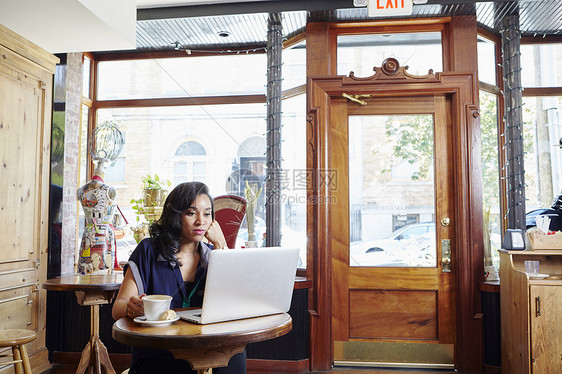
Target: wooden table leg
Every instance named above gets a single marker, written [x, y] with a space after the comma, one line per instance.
[95, 355]
[203, 359]
[85, 359]
[102, 357]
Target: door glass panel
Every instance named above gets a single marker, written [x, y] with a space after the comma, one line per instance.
[391, 191]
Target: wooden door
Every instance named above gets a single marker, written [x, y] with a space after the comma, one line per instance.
[25, 114]
[546, 329]
[421, 305]
[392, 295]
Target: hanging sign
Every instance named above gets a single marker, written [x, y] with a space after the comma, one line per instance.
[383, 8]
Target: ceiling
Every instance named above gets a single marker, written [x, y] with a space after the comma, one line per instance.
[195, 25]
[62, 26]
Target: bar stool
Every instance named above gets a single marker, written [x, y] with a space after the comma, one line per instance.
[17, 339]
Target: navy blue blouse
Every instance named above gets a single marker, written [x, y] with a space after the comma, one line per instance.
[154, 275]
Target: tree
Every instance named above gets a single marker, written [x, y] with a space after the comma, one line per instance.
[412, 141]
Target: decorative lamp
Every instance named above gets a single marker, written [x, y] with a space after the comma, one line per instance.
[106, 144]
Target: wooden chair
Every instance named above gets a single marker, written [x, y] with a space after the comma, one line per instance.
[229, 213]
[16, 339]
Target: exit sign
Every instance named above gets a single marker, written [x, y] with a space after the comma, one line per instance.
[381, 8]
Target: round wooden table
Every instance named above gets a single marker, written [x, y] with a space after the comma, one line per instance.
[203, 346]
[92, 290]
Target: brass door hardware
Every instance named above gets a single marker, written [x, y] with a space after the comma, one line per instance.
[446, 255]
[356, 98]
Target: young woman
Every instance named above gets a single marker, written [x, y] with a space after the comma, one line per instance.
[173, 261]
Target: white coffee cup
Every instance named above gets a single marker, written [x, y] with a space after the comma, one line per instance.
[155, 305]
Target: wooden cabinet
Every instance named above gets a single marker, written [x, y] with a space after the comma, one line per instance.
[531, 313]
[26, 86]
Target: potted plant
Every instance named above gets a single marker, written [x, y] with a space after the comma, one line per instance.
[150, 205]
[154, 193]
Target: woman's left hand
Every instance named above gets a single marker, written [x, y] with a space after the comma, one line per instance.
[215, 236]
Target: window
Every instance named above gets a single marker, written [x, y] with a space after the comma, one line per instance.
[490, 176]
[115, 173]
[420, 51]
[182, 77]
[86, 69]
[489, 98]
[540, 64]
[294, 65]
[190, 163]
[486, 60]
[543, 153]
[293, 178]
[216, 151]
[542, 110]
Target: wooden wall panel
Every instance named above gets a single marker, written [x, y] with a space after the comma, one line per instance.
[318, 49]
[318, 63]
[395, 278]
[447, 311]
[463, 39]
[16, 311]
[398, 315]
[339, 214]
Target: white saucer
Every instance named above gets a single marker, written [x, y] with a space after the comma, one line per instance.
[143, 321]
[538, 276]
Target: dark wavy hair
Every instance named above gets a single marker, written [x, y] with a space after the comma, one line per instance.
[167, 230]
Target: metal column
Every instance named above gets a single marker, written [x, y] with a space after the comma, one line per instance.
[515, 178]
[274, 92]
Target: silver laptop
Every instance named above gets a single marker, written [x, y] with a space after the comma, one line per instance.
[246, 282]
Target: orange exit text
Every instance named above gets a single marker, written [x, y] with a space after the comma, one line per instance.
[390, 4]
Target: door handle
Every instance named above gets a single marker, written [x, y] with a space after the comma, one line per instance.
[538, 305]
[446, 265]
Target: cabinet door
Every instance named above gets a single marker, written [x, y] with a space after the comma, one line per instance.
[25, 97]
[546, 329]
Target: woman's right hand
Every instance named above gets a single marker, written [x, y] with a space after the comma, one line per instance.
[215, 235]
[135, 306]
[128, 303]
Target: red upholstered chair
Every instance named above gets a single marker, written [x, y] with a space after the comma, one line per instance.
[229, 213]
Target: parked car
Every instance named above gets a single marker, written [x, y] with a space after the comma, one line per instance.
[412, 245]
